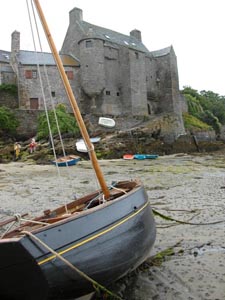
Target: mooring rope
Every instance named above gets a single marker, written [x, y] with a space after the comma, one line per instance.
[19, 219]
[8, 229]
[95, 283]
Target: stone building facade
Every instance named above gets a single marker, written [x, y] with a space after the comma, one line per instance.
[38, 80]
[7, 75]
[118, 74]
[111, 74]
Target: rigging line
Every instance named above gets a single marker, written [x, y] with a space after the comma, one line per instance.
[51, 99]
[40, 77]
[8, 229]
[53, 106]
[72, 99]
[43, 93]
[48, 84]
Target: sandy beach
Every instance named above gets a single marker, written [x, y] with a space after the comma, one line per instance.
[188, 188]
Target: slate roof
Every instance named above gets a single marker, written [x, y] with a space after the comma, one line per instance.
[93, 31]
[161, 52]
[7, 69]
[4, 56]
[43, 58]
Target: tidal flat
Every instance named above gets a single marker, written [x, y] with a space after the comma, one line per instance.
[187, 194]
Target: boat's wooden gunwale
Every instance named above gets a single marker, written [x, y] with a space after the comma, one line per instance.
[61, 217]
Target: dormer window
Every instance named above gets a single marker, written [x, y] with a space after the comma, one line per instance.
[89, 44]
[6, 56]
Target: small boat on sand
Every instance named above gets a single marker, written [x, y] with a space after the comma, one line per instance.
[145, 156]
[81, 146]
[106, 122]
[128, 156]
[140, 156]
[151, 156]
[68, 160]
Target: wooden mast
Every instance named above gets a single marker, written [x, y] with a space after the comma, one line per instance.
[73, 102]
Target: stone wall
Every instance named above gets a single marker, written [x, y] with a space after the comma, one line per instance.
[138, 83]
[52, 86]
[28, 123]
[8, 100]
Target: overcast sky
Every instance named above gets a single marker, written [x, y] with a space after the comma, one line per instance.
[195, 28]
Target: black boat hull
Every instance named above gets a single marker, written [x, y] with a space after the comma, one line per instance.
[105, 243]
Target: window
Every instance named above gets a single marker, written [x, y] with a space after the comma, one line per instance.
[149, 109]
[34, 103]
[53, 94]
[136, 55]
[117, 94]
[89, 44]
[30, 74]
[107, 93]
[69, 74]
[34, 74]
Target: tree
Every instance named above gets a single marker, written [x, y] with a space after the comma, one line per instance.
[66, 122]
[207, 106]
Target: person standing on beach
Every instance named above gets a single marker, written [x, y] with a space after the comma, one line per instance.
[32, 146]
[17, 148]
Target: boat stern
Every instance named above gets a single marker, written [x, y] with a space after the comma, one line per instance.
[21, 277]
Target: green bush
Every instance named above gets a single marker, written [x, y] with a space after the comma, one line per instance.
[209, 118]
[206, 106]
[191, 122]
[66, 122]
[8, 121]
[10, 88]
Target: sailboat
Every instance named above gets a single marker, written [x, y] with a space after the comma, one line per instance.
[97, 238]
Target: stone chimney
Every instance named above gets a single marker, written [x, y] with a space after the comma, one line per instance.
[15, 42]
[76, 14]
[137, 34]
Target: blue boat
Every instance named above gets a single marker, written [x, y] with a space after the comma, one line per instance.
[139, 156]
[145, 156]
[69, 160]
[151, 156]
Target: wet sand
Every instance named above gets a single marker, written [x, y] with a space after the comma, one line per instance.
[184, 187]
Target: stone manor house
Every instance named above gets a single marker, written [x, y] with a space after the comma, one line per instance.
[111, 74]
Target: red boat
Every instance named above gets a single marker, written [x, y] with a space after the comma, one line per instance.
[128, 156]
